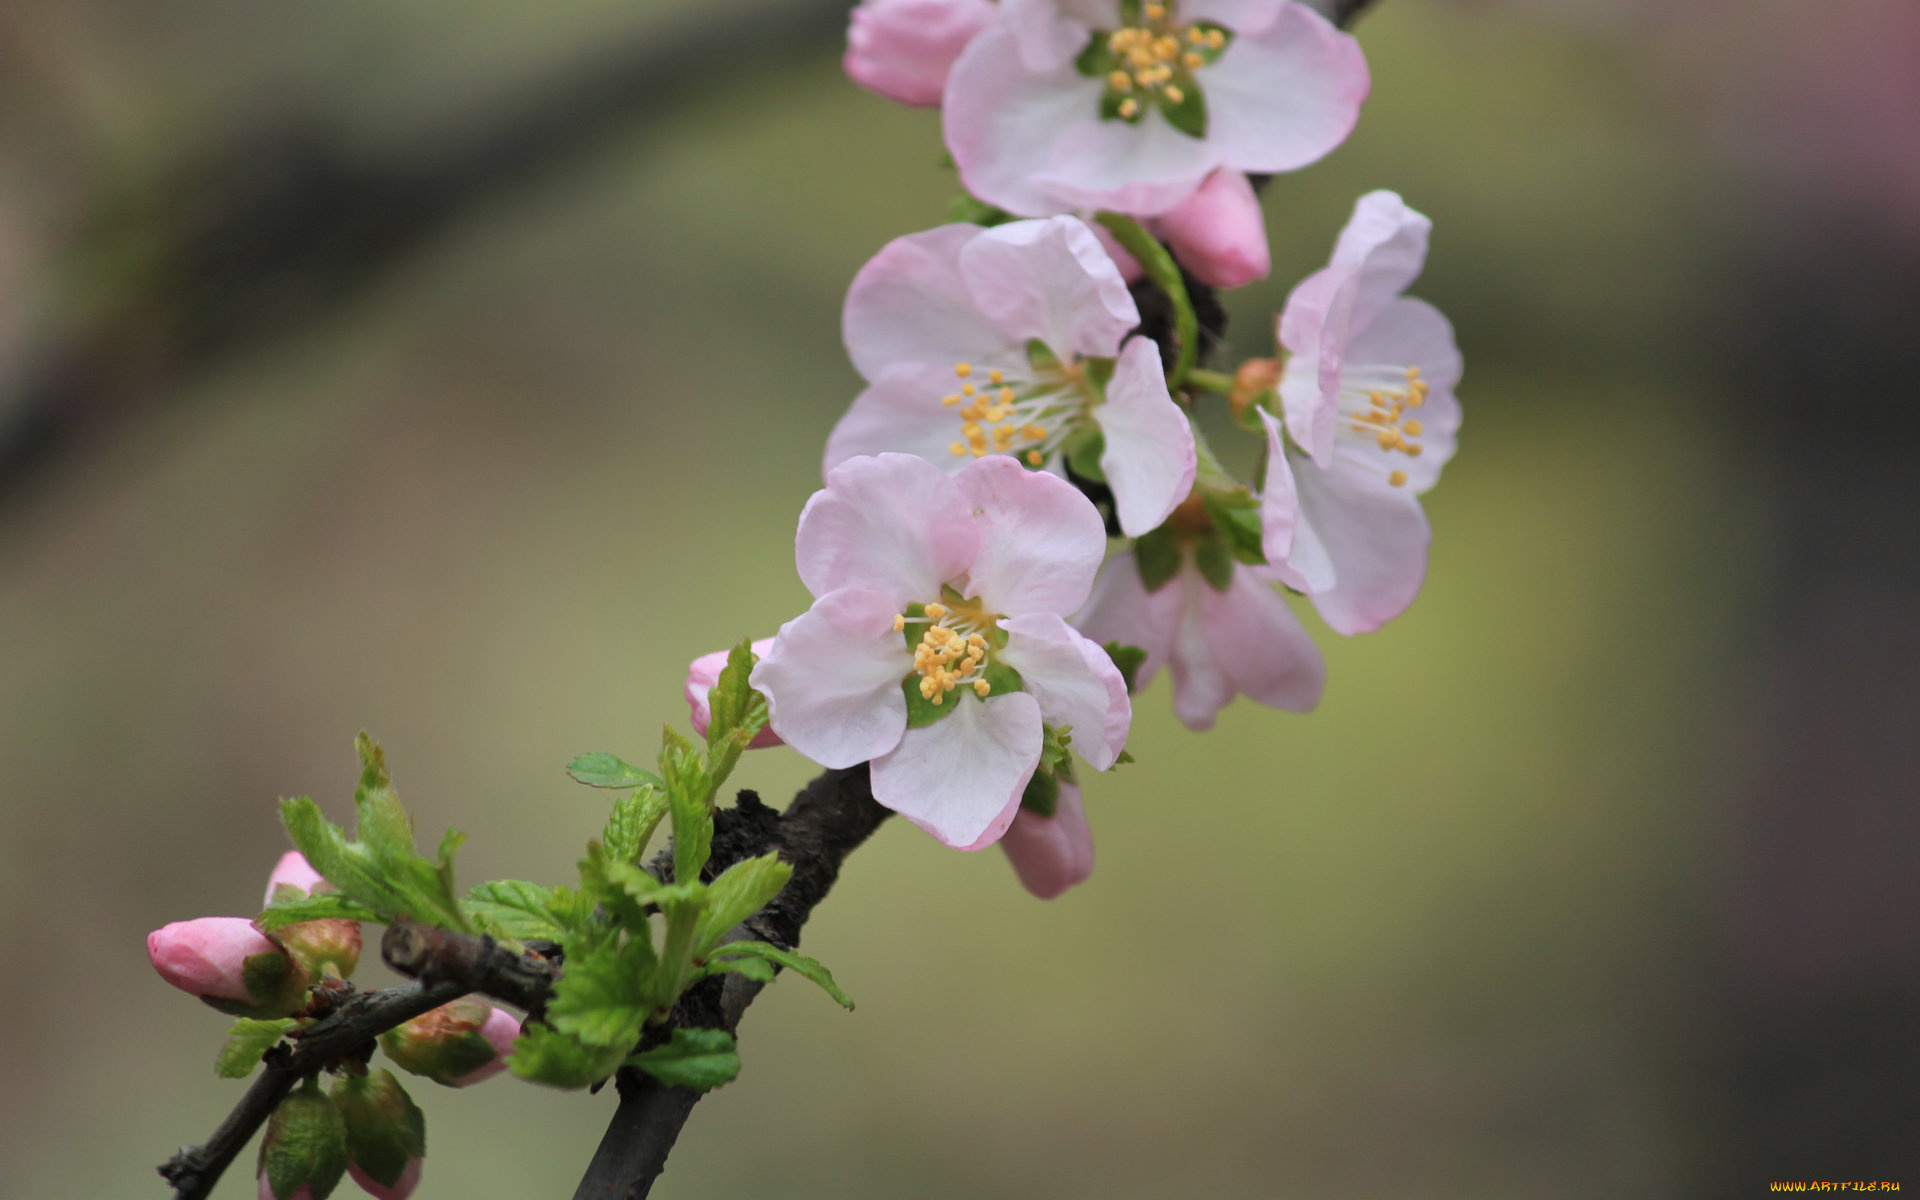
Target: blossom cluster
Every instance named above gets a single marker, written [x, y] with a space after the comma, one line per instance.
[1020, 524]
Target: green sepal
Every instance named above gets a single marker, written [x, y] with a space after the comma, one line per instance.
[609, 771]
[276, 981]
[1127, 660]
[1042, 796]
[1040, 356]
[1215, 561]
[1083, 449]
[922, 712]
[385, 1128]
[966, 210]
[545, 1055]
[305, 1142]
[442, 1044]
[1098, 60]
[697, 1059]
[739, 892]
[1157, 554]
[1190, 115]
[631, 824]
[296, 907]
[800, 964]
[247, 1043]
[1236, 514]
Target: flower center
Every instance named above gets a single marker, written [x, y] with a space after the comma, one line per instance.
[954, 647]
[1149, 62]
[1376, 403]
[1027, 417]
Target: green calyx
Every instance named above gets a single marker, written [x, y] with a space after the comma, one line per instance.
[953, 641]
[1150, 62]
[385, 1128]
[305, 1143]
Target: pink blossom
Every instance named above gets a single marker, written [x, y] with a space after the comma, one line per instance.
[1368, 396]
[997, 555]
[703, 673]
[1051, 854]
[942, 323]
[1063, 105]
[400, 1189]
[500, 1029]
[228, 963]
[1244, 640]
[903, 49]
[1218, 233]
[458, 1044]
[293, 870]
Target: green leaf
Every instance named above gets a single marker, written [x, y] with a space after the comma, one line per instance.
[689, 802]
[740, 891]
[545, 1055]
[640, 887]
[523, 911]
[631, 824]
[733, 705]
[603, 998]
[1236, 514]
[1215, 562]
[697, 1059]
[247, 1042]
[1157, 554]
[1127, 660]
[326, 906]
[757, 969]
[609, 771]
[800, 964]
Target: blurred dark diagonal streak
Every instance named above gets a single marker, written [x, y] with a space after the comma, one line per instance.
[272, 227]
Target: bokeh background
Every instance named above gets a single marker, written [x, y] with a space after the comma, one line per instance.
[456, 371]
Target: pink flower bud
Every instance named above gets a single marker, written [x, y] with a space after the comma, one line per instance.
[293, 870]
[1051, 854]
[903, 49]
[702, 674]
[458, 1044]
[400, 1189]
[1218, 234]
[229, 964]
[303, 1192]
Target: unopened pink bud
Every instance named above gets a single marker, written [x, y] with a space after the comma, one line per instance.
[229, 964]
[400, 1189]
[1218, 233]
[458, 1044]
[702, 674]
[903, 49]
[1051, 854]
[501, 1029]
[293, 870]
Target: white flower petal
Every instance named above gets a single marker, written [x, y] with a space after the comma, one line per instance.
[1074, 681]
[1122, 610]
[900, 411]
[1144, 168]
[961, 778]
[1051, 33]
[1051, 280]
[1279, 501]
[1412, 333]
[1387, 242]
[1149, 458]
[1001, 122]
[893, 523]
[1373, 535]
[908, 305]
[1313, 329]
[1284, 96]
[1051, 854]
[832, 679]
[1259, 645]
[1040, 540]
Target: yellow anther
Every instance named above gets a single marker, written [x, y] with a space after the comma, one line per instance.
[1006, 395]
[936, 611]
[1175, 94]
[1156, 12]
[963, 369]
[1166, 47]
[950, 401]
[899, 622]
[1129, 108]
[1398, 479]
[995, 376]
[970, 430]
[1120, 81]
[1387, 439]
[1193, 61]
[976, 641]
[1196, 35]
[979, 451]
[1215, 39]
[1034, 433]
[1412, 451]
[1035, 458]
[1415, 428]
[1417, 399]
[981, 687]
[958, 449]
[1413, 373]
[966, 389]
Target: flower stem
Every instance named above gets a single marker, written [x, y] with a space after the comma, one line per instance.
[1159, 266]
[1210, 381]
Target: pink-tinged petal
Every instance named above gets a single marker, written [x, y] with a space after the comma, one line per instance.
[1245, 17]
[1050, 280]
[1285, 96]
[1279, 500]
[1050, 34]
[500, 1029]
[1122, 610]
[1129, 266]
[1374, 535]
[1149, 459]
[1412, 333]
[908, 305]
[961, 778]
[1001, 122]
[399, 1189]
[1313, 329]
[293, 870]
[1219, 232]
[901, 411]
[1040, 540]
[1051, 854]
[1387, 243]
[303, 1192]
[1307, 566]
[832, 679]
[903, 49]
[702, 674]
[893, 523]
[1143, 168]
[207, 956]
[1074, 681]
[1260, 646]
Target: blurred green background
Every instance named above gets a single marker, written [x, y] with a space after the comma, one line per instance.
[1592, 876]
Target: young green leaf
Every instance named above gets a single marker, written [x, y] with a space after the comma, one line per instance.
[733, 704]
[247, 1042]
[609, 771]
[325, 906]
[798, 963]
[740, 891]
[513, 908]
[697, 1059]
[545, 1055]
[631, 824]
[757, 969]
[689, 802]
[604, 997]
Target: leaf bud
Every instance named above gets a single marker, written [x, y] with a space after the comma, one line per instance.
[230, 965]
[386, 1134]
[457, 1044]
[303, 1153]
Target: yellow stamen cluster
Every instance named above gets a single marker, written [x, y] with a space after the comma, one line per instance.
[949, 656]
[988, 425]
[1386, 420]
